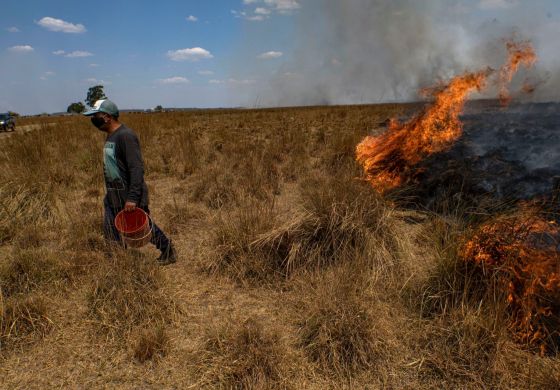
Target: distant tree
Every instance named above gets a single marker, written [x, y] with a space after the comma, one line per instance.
[158, 109]
[94, 94]
[14, 114]
[76, 108]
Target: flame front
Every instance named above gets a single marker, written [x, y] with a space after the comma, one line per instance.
[520, 251]
[389, 159]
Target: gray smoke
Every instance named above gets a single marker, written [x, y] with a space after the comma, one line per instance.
[511, 154]
[367, 51]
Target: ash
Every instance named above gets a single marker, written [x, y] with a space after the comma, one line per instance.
[511, 153]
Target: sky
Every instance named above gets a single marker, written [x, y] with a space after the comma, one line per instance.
[253, 53]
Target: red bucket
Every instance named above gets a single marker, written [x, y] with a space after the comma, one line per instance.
[134, 227]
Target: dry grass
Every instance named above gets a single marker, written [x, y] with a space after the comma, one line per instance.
[127, 295]
[152, 344]
[315, 281]
[28, 269]
[22, 207]
[233, 236]
[22, 319]
[335, 219]
[342, 329]
[243, 355]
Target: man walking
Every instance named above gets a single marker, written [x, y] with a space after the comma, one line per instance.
[124, 176]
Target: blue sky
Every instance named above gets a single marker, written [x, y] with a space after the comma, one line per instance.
[212, 53]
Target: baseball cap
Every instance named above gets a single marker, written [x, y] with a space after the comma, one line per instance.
[104, 105]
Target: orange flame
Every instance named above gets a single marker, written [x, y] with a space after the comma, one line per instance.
[519, 53]
[521, 252]
[389, 159]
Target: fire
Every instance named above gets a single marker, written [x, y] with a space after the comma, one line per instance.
[519, 53]
[520, 251]
[390, 158]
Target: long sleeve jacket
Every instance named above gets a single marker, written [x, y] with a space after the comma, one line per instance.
[124, 169]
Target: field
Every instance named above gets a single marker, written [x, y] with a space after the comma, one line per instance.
[293, 273]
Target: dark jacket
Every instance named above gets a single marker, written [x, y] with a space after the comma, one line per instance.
[124, 169]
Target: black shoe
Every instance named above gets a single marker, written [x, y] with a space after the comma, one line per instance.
[168, 256]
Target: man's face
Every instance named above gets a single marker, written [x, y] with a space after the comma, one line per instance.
[100, 120]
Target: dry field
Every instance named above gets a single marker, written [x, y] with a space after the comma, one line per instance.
[293, 273]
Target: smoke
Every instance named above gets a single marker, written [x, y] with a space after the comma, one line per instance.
[367, 51]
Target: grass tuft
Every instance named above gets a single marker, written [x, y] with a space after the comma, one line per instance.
[333, 226]
[244, 356]
[22, 317]
[152, 344]
[233, 236]
[341, 329]
[28, 269]
[126, 294]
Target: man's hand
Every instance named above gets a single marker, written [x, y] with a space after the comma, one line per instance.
[129, 206]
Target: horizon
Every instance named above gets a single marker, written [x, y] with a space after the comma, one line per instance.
[493, 101]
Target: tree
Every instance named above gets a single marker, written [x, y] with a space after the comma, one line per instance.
[76, 108]
[158, 109]
[94, 94]
[14, 114]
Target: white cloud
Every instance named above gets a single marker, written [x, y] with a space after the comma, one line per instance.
[262, 11]
[239, 14]
[205, 72]
[21, 49]
[233, 81]
[46, 75]
[60, 25]
[193, 54]
[249, 17]
[12, 29]
[78, 54]
[283, 5]
[270, 55]
[94, 65]
[192, 18]
[497, 4]
[95, 81]
[73, 54]
[174, 80]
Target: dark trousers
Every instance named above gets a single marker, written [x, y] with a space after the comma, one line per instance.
[159, 239]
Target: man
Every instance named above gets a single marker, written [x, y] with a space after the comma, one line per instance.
[124, 176]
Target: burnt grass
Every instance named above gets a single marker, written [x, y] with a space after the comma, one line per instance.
[292, 273]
